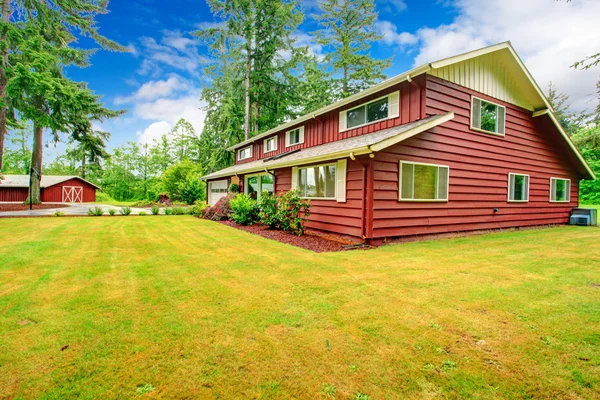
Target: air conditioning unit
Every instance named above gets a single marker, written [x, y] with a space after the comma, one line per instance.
[584, 217]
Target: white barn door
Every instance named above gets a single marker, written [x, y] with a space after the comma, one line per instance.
[72, 194]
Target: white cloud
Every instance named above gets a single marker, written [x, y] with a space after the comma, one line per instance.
[390, 34]
[155, 89]
[548, 35]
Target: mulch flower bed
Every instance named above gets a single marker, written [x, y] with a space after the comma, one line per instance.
[23, 207]
[307, 241]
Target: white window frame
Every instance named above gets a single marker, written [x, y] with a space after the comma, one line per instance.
[568, 191]
[335, 188]
[259, 192]
[400, 198]
[300, 130]
[473, 128]
[242, 150]
[528, 186]
[392, 112]
[266, 141]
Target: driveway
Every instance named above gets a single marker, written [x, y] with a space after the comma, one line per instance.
[71, 209]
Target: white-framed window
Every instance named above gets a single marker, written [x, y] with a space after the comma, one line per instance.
[423, 182]
[321, 181]
[255, 185]
[294, 137]
[385, 107]
[487, 117]
[270, 144]
[560, 190]
[245, 153]
[518, 187]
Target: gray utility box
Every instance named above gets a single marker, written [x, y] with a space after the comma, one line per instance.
[584, 216]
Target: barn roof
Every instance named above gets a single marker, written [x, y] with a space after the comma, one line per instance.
[22, 181]
[363, 144]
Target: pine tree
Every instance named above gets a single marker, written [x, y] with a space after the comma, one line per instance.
[348, 31]
[570, 121]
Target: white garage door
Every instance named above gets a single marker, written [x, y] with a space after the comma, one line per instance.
[216, 190]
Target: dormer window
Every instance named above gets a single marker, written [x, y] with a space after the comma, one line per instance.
[270, 144]
[294, 137]
[487, 117]
[245, 153]
[380, 109]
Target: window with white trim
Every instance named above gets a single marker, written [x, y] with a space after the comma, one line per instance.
[560, 190]
[518, 187]
[380, 109]
[487, 117]
[244, 153]
[270, 144]
[317, 181]
[423, 182]
[294, 137]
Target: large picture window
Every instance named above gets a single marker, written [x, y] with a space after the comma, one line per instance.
[423, 182]
[560, 190]
[487, 117]
[256, 185]
[317, 181]
[518, 187]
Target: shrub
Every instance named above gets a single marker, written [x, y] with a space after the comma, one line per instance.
[125, 211]
[292, 211]
[111, 211]
[95, 211]
[178, 211]
[168, 211]
[234, 188]
[268, 212]
[142, 213]
[155, 210]
[59, 213]
[221, 210]
[244, 210]
[198, 208]
[192, 190]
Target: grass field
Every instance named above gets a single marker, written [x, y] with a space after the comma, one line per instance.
[184, 308]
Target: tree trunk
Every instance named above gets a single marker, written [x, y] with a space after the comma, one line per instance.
[345, 83]
[36, 162]
[247, 93]
[3, 80]
[83, 167]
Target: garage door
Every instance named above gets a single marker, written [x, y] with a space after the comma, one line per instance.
[216, 190]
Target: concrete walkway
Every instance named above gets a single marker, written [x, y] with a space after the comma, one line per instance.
[72, 209]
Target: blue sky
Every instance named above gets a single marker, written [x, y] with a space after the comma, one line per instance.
[159, 81]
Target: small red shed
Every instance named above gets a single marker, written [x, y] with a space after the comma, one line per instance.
[54, 189]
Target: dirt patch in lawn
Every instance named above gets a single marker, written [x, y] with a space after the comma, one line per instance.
[308, 241]
[23, 207]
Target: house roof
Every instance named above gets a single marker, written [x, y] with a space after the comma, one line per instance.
[22, 181]
[363, 144]
[524, 90]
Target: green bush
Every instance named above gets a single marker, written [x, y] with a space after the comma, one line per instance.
[155, 210]
[102, 197]
[111, 211]
[268, 213]
[142, 213]
[168, 211]
[198, 208]
[95, 212]
[244, 210]
[234, 188]
[192, 190]
[292, 211]
[125, 211]
[178, 211]
[59, 213]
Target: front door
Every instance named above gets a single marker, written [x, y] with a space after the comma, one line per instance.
[72, 194]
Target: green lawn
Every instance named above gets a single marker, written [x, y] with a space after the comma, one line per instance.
[177, 307]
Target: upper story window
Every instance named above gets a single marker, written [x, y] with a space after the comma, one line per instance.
[423, 182]
[487, 117]
[245, 153]
[383, 108]
[270, 144]
[560, 190]
[294, 137]
[518, 187]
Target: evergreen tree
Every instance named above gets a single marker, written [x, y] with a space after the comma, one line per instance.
[570, 121]
[348, 32]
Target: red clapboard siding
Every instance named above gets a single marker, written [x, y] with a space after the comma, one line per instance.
[325, 128]
[13, 194]
[479, 166]
[54, 194]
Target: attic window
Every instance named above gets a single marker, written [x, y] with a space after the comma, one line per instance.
[487, 117]
[244, 153]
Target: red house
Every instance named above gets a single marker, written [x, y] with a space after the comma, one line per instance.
[53, 188]
[466, 143]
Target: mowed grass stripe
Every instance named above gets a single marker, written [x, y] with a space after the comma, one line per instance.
[192, 308]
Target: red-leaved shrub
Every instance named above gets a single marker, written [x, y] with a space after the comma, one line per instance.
[222, 210]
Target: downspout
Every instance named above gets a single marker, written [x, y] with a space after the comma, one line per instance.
[363, 211]
[421, 93]
[321, 129]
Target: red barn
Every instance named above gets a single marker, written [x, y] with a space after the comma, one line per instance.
[54, 189]
[465, 143]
